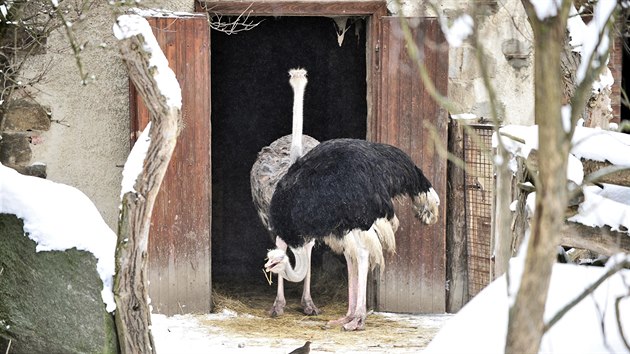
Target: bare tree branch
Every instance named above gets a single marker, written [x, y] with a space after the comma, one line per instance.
[230, 25]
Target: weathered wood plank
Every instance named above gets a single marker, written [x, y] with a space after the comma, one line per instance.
[179, 244]
[456, 233]
[293, 8]
[133, 315]
[607, 172]
[601, 240]
[414, 278]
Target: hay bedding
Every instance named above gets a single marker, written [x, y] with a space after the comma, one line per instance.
[384, 333]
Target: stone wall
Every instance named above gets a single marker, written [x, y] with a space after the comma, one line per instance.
[505, 36]
[21, 126]
[88, 140]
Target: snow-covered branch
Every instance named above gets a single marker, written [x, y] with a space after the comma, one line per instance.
[157, 85]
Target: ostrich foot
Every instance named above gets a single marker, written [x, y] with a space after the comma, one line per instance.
[349, 323]
[356, 324]
[277, 309]
[309, 308]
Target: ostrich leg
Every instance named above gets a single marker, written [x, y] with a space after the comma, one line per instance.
[277, 308]
[357, 318]
[308, 306]
[352, 291]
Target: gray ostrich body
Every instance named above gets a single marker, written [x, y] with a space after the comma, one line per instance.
[272, 164]
[342, 192]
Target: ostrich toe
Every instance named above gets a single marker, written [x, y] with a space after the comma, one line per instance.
[356, 324]
[309, 308]
[277, 309]
[349, 323]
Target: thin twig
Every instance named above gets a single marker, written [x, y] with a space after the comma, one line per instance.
[76, 48]
[619, 325]
[240, 24]
[612, 271]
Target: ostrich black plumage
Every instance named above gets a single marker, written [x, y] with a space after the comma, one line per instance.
[342, 192]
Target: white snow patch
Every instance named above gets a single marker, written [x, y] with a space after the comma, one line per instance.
[601, 145]
[590, 327]
[566, 117]
[135, 162]
[464, 116]
[60, 217]
[460, 29]
[591, 42]
[605, 80]
[545, 8]
[609, 206]
[575, 170]
[588, 143]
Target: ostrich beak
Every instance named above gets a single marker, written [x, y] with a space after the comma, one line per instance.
[274, 258]
[271, 263]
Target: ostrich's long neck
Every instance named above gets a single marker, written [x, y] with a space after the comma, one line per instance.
[298, 83]
[297, 273]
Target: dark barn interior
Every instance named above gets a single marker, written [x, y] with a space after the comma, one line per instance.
[252, 106]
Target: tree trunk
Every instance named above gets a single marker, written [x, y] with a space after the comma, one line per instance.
[133, 319]
[525, 328]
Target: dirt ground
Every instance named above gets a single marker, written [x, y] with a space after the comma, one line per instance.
[240, 324]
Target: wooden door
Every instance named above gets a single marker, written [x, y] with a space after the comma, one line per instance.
[179, 240]
[414, 278]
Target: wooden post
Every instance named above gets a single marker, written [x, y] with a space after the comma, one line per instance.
[133, 316]
[456, 236]
[519, 220]
[501, 225]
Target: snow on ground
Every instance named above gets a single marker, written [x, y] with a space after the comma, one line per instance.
[590, 327]
[193, 332]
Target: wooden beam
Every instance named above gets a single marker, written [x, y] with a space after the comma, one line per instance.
[601, 240]
[456, 234]
[605, 172]
[596, 171]
[291, 8]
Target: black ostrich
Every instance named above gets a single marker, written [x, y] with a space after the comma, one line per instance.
[342, 192]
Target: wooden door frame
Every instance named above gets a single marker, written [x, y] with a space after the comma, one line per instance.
[372, 10]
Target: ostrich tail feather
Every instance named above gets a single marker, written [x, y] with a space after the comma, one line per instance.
[426, 206]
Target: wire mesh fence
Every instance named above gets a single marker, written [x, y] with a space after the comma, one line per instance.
[479, 189]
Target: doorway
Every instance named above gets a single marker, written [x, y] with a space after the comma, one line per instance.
[252, 106]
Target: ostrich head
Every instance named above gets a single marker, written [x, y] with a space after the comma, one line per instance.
[278, 262]
[426, 206]
[297, 79]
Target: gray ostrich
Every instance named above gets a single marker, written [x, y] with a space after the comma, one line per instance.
[272, 164]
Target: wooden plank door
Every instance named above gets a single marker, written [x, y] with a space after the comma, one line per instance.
[414, 278]
[179, 240]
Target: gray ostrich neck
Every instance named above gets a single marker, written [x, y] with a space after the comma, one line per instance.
[297, 273]
[298, 119]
